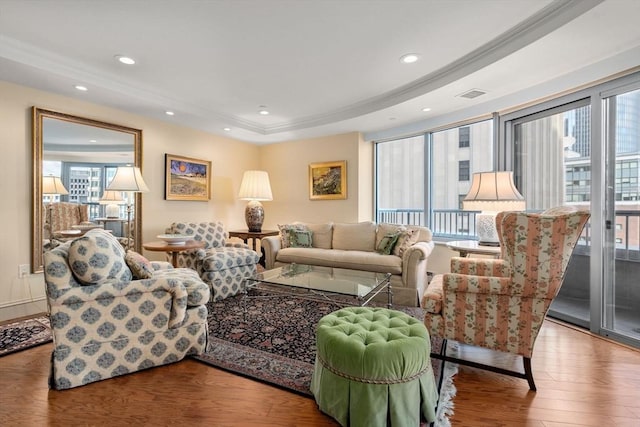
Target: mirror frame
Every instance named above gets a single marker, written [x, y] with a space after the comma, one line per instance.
[37, 226]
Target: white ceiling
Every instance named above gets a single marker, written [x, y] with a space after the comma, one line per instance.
[319, 66]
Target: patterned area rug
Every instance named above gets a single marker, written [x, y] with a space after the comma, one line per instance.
[271, 337]
[24, 334]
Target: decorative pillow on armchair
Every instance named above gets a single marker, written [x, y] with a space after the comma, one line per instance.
[97, 257]
[139, 265]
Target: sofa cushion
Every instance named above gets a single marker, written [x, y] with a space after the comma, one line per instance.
[407, 238]
[385, 229]
[300, 238]
[322, 234]
[139, 265]
[220, 259]
[286, 231]
[355, 260]
[386, 244]
[354, 237]
[97, 257]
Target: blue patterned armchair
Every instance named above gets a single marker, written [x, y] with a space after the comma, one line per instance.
[114, 313]
[223, 265]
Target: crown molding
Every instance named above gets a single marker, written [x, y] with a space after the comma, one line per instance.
[548, 19]
[551, 17]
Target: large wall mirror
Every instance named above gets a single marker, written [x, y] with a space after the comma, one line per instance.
[74, 160]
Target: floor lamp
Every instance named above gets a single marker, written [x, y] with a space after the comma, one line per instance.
[128, 179]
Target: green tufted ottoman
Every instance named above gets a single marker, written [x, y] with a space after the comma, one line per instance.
[373, 368]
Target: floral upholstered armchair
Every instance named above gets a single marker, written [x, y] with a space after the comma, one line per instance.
[221, 264]
[500, 304]
[114, 313]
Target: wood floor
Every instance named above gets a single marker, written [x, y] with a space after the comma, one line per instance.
[582, 380]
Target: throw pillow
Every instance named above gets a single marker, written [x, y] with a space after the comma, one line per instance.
[300, 239]
[406, 239]
[97, 257]
[386, 244]
[286, 231]
[139, 265]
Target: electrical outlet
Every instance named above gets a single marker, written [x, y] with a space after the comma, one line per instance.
[23, 270]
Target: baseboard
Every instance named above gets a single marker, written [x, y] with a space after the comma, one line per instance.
[21, 309]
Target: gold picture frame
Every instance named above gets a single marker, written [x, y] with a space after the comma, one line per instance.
[187, 178]
[328, 180]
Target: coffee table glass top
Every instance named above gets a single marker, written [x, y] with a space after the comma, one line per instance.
[343, 281]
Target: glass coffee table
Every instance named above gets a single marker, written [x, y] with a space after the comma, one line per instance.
[333, 284]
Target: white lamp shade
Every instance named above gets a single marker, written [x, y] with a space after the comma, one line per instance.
[128, 178]
[111, 198]
[494, 192]
[53, 185]
[255, 186]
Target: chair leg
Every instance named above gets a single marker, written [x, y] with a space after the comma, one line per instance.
[526, 361]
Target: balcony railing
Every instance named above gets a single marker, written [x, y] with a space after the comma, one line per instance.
[459, 224]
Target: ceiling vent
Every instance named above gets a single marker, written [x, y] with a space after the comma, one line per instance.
[473, 93]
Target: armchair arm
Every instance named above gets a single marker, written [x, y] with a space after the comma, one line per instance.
[109, 293]
[463, 283]
[161, 265]
[414, 266]
[481, 267]
[270, 247]
[237, 245]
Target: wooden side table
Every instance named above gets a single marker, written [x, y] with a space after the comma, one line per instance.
[174, 250]
[245, 235]
[466, 247]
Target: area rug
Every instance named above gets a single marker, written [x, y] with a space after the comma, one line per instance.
[24, 334]
[271, 338]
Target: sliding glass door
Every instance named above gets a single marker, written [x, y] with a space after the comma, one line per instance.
[621, 291]
[553, 168]
[584, 150]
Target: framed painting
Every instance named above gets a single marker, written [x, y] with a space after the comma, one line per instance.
[328, 180]
[187, 178]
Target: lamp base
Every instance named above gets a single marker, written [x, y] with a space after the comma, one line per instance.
[112, 211]
[486, 229]
[254, 215]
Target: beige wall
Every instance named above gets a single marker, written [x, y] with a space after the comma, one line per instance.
[288, 167]
[287, 164]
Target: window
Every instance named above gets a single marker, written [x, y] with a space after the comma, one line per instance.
[422, 179]
[400, 181]
[463, 170]
[463, 137]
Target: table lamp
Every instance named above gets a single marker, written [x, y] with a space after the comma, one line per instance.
[51, 186]
[112, 199]
[490, 193]
[129, 179]
[255, 187]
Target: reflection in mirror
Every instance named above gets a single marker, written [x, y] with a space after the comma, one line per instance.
[74, 160]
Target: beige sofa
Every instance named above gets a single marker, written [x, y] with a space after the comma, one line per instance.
[353, 246]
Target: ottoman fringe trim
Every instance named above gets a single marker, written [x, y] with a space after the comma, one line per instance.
[334, 371]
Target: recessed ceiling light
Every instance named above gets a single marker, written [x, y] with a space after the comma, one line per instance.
[426, 109]
[81, 88]
[93, 140]
[409, 58]
[262, 109]
[169, 113]
[125, 60]
[227, 129]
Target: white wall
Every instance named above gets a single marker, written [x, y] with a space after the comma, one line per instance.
[287, 164]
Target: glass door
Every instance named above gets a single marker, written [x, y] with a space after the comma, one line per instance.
[553, 168]
[621, 289]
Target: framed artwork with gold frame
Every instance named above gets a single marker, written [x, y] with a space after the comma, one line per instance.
[187, 178]
[328, 180]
